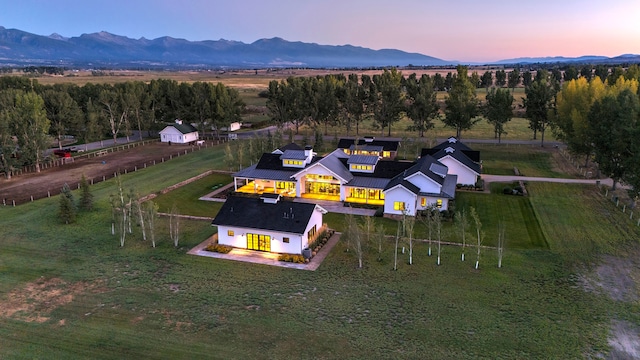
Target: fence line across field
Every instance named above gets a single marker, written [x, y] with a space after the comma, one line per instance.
[97, 179]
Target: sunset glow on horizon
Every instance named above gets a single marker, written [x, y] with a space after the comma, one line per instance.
[462, 30]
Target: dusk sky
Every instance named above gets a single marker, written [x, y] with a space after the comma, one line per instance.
[464, 30]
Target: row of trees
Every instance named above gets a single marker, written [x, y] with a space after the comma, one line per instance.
[385, 98]
[31, 114]
[361, 237]
[602, 120]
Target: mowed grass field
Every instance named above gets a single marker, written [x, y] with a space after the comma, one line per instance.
[70, 291]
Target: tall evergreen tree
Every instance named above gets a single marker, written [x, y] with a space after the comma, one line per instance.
[67, 208]
[86, 197]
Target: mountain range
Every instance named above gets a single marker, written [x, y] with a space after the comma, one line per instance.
[103, 49]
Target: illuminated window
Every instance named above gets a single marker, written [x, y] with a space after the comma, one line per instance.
[293, 162]
[230, 232]
[423, 202]
[386, 154]
[311, 233]
[285, 240]
[361, 167]
[439, 203]
[398, 205]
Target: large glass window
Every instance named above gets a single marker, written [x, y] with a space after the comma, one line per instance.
[398, 205]
[259, 242]
[312, 233]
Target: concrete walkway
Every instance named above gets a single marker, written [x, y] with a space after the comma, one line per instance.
[265, 258]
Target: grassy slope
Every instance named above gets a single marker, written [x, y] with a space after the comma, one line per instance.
[162, 303]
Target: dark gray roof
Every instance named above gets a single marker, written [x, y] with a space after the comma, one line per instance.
[333, 164]
[460, 156]
[459, 148]
[293, 155]
[290, 146]
[399, 180]
[368, 182]
[253, 213]
[376, 148]
[423, 165]
[448, 189]
[452, 141]
[363, 159]
[184, 128]
[253, 173]
[388, 145]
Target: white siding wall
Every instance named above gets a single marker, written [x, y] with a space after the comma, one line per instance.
[433, 201]
[399, 194]
[465, 175]
[239, 239]
[171, 134]
[424, 183]
[190, 137]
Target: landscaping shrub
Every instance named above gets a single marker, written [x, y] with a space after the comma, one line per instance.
[223, 249]
[298, 259]
[379, 212]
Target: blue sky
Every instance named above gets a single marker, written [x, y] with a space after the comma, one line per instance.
[463, 30]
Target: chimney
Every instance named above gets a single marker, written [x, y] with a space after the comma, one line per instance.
[178, 121]
[308, 153]
[369, 139]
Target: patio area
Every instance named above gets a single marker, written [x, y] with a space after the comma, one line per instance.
[265, 258]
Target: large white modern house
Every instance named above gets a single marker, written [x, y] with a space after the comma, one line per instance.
[360, 173]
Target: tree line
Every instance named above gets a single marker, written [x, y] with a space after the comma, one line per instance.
[323, 101]
[601, 120]
[31, 114]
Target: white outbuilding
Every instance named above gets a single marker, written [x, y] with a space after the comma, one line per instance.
[179, 133]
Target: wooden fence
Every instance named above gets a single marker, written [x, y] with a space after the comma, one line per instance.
[8, 201]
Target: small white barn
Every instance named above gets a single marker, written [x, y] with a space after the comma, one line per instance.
[268, 224]
[179, 133]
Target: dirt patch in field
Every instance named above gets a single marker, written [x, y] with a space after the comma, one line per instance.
[35, 301]
[624, 340]
[619, 278]
[50, 181]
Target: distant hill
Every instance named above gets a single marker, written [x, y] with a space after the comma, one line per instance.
[105, 49]
[587, 59]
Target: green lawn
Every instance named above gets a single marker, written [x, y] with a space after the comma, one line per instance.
[531, 160]
[186, 198]
[143, 302]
